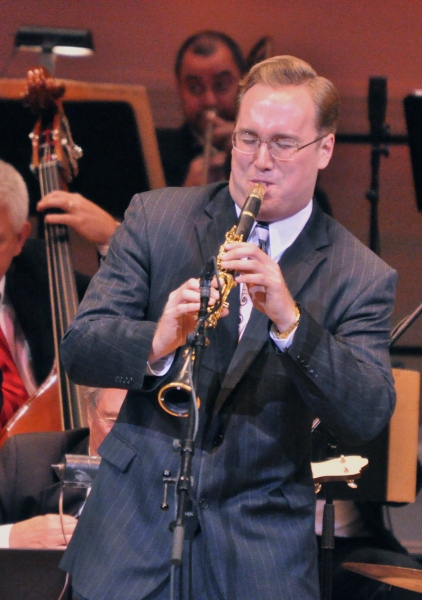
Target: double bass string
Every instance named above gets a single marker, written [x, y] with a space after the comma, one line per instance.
[62, 288]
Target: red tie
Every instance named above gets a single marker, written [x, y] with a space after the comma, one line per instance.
[13, 389]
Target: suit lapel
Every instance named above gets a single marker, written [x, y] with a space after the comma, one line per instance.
[305, 254]
[219, 216]
[297, 264]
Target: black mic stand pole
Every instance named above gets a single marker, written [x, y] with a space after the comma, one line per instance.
[198, 343]
[187, 450]
[380, 136]
[328, 530]
[373, 197]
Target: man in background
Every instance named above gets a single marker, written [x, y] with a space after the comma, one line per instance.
[208, 68]
[30, 487]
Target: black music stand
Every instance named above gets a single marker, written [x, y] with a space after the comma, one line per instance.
[413, 114]
[111, 122]
[112, 168]
[31, 575]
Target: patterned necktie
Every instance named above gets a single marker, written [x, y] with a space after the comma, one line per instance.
[13, 389]
[262, 231]
[246, 305]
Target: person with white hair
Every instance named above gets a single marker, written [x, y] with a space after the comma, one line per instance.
[26, 331]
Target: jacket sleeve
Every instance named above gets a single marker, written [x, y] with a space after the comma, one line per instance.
[108, 343]
[342, 366]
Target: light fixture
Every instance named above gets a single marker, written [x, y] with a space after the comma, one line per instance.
[53, 41]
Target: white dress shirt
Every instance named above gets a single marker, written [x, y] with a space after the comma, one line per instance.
[282, 234]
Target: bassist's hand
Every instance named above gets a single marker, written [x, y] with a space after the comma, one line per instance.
[86, 218]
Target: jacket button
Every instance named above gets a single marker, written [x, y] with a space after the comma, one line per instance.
[203, 503]
[218, 440]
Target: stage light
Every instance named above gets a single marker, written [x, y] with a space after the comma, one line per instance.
[53, 41]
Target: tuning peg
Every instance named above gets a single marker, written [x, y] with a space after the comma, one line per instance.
[77, 151]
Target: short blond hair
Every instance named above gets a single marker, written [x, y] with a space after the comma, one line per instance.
[289, 70]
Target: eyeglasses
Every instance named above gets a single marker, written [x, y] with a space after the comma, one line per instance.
[109, 421]
[249, 143]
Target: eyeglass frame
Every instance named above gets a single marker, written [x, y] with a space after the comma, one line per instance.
[106, 420]
[268, 142]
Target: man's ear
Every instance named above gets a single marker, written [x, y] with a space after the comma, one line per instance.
[326, 150]
[22, 236]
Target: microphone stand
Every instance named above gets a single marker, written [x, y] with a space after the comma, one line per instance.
[328, 532]
[198, 342]
[372, 195]
[380, 137]
[329, 442]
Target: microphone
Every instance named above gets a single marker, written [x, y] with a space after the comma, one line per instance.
[377, 107]
[207, 273]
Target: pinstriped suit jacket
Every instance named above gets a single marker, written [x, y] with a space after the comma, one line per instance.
[253, 489]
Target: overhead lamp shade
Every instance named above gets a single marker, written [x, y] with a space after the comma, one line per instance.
[56, 40]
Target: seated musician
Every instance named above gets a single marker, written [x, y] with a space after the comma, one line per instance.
[26, 333]
[30, 488]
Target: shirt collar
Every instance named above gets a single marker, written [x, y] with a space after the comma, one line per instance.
[284, 232]
[2, 286]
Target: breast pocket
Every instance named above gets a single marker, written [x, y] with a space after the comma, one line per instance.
[117, 452]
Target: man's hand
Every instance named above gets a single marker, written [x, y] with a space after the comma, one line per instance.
[86, 218]
[222, 132]
[43, 532]
[221, 146]
[266, 285]
[179, 318]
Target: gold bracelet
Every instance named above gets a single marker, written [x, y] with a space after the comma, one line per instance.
[284, 334]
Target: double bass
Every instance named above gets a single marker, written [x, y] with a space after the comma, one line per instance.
[58, 404]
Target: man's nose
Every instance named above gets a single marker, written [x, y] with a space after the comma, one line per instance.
[209, 99]
[263, 158]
